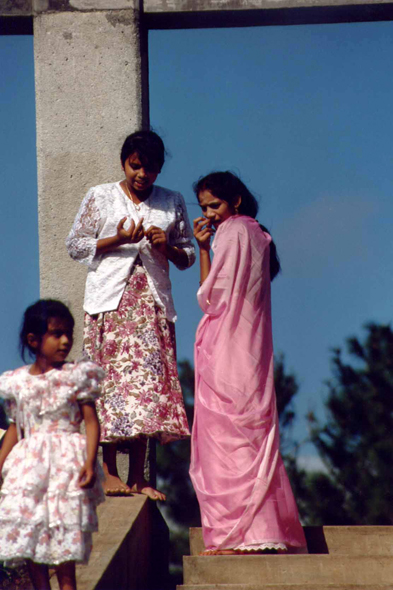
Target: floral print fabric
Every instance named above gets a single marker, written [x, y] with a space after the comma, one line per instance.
[135, 345]
[44, 514]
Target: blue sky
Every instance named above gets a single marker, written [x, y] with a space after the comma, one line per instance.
[303, 114]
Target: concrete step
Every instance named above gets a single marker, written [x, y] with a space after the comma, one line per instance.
[335, 540]
[306, 571]
[132, 536]
[263, 586]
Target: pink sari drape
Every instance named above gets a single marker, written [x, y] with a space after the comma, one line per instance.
[243, 490]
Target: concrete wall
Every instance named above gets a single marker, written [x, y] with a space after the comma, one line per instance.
[88, 70]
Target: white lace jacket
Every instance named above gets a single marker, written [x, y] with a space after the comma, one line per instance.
[99, 214]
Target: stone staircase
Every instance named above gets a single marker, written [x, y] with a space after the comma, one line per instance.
[340, 558]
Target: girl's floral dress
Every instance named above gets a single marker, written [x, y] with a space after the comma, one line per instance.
[44, 515]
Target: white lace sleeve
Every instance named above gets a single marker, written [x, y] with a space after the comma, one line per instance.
[181, 235]
[81, 242]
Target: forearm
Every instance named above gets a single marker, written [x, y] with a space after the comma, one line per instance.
[108, 244]
[92, 432]
[9, 441]
[204, 264]
[177, 256]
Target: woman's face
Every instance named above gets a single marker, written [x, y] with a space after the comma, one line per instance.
[140, 177]
[214, 209]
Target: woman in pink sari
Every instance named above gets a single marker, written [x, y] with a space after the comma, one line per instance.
[244, 494]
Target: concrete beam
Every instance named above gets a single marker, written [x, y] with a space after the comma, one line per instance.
[213, 13]
[283, 12]
[193, 6]
[32, 7]
[16, 7]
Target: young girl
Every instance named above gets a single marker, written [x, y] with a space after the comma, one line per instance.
[127, 232]
[243, 491]
[50, 492]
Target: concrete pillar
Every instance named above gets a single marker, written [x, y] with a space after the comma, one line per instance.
[90, 76]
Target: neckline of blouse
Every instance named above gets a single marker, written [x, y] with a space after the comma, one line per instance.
[128, 200]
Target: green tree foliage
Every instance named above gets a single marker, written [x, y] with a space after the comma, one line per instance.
[356, 442]
[173, 463]
[286, 388]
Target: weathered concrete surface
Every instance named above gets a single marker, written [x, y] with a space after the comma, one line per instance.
[88, 70]
[16, 7]
[305, 570]
[356, 558]
[31, 7]
[132, 535]
[350, 540]
[262, 586]
[151, 6]
[103, 4]
[334, 540]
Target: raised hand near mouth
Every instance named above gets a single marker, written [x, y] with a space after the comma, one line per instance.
[203, 232]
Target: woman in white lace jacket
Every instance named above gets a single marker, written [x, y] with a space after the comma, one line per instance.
[127, 232]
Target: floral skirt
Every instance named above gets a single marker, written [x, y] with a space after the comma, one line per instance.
[135, 345]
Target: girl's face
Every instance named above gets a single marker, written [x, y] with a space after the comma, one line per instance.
[214, 209]
[140, 177]
[54, 346]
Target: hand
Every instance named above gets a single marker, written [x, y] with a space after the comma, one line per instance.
[86, 477]
[132, 235]
[157, 238]
[203, 232]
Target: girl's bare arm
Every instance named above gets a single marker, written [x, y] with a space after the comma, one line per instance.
[9, 441]
[87, 473]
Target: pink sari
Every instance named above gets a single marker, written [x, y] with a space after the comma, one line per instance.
[244, 494]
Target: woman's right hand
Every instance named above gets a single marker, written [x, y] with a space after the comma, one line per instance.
[203, 232]
[132, 235]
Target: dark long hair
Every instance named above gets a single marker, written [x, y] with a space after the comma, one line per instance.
[228, 187]
[36, 318]
[149, 147]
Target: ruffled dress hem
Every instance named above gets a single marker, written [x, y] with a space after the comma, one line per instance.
[261, 547]
[163, 437]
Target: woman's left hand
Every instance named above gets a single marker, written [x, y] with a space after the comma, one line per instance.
[157, 238]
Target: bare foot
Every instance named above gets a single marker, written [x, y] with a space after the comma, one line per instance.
[148, 491]
[220, 552]
[113, 486]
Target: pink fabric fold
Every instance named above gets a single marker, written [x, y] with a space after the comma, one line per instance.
[243, 490]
